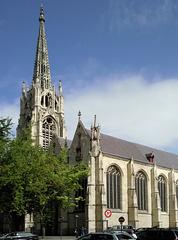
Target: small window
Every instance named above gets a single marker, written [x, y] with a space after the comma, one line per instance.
[162, 193]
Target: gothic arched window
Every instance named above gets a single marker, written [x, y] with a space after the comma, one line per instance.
[48, 130]
[48, 100]
[177, 192]
[113, 187]
[141, 190]
[162, 193]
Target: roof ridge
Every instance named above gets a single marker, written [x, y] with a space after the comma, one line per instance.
[138, 144]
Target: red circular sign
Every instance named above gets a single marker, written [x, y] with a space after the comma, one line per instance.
[108, 213]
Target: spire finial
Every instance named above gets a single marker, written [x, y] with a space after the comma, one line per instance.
[79, 115]
[42, 18]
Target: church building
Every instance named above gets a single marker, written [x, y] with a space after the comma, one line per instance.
[126, 179]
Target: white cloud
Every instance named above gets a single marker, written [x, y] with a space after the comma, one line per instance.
[11, 110]
[130, 108]
[142, 13]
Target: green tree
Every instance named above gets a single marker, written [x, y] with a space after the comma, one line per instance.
[31, 179]
[5, 128]
[5, 132]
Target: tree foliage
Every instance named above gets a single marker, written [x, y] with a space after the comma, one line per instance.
[5, 132]
[31, 178]
[5, 128]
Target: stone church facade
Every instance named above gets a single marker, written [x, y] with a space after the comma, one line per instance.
[134, 181]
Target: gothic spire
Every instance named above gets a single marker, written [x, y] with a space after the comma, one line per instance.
[41, 72]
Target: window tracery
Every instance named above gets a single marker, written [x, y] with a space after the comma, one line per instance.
[48, 130]
[141, 190]
[113, 187]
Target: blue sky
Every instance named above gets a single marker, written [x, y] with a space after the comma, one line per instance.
[117, 59]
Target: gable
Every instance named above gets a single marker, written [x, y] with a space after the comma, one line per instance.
[80, 146]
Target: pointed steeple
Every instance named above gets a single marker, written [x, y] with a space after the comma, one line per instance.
[41, 72]
[41, 106]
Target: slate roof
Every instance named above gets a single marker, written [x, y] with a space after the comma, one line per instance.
[121, 148]
[125, 149]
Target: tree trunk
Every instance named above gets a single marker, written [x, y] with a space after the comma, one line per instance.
[43, 231]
